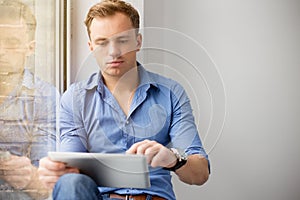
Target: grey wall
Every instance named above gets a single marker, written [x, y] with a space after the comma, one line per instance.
[256, 47]
[239, 61]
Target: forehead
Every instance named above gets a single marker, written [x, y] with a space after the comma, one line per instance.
[11, 22]
[106, 27]
[10, 16]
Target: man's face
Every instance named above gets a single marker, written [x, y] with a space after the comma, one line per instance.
[14, 45]
[115, 43]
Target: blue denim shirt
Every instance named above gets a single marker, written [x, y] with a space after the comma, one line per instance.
[91, 120]
[28, 118]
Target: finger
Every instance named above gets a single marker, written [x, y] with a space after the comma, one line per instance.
[72, 170]
[18, 179]
[151, 152]
[164, 158]
[49, 181]
[142, 148]
[52, 165]
[42, 171]
[16, 162]
[49, 178]
[24, 171]
[133, 148]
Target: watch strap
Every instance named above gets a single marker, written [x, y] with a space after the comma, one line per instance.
[181, 160]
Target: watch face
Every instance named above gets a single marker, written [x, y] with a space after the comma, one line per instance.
[181, 159]
[180, 155]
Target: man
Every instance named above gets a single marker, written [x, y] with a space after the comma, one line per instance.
[125, 108]
[27, 107]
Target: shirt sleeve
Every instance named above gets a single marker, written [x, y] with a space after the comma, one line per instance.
[183, 130]
[72, 132]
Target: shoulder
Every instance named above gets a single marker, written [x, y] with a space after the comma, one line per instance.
[164, 83]
[33, 85]
[78, 90]
[84, 85]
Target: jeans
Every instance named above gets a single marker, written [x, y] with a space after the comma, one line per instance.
[79, 187]
[76, 186]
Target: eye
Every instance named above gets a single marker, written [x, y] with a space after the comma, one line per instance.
[123, 41]
[102, 43]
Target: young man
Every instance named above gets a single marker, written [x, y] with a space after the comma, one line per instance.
[27, 107]
[125, 108]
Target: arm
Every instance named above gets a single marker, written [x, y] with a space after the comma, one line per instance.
[71, 131]
[183, 135]
[195, 171]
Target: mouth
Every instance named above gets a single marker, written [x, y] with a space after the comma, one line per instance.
[115, 63]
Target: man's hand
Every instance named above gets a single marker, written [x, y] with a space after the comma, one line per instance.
[156, 154]
[49, 171]
[17, 171]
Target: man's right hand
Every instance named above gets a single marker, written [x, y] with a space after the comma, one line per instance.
[49, 171]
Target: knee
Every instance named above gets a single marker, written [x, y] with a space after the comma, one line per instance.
[72, 181]
[73, 178]
[75, 186]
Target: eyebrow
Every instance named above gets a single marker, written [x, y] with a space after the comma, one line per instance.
[114, 37]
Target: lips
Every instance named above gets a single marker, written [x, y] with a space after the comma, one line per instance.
[114, 63]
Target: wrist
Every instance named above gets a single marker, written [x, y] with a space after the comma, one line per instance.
[180, 161]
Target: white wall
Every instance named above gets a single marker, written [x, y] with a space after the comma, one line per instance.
[248, 70]
[256, 47]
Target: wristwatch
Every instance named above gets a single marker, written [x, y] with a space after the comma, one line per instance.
[181, 160]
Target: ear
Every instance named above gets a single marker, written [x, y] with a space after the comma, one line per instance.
[139, 40]
[90, 45]
[31, 48]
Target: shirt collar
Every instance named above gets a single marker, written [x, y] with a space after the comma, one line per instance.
[28, 80]
[96, 80]
[145, 79]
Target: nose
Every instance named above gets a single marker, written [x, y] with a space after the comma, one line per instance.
[114, 50]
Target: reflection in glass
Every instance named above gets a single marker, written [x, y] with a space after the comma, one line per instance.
[27, 105]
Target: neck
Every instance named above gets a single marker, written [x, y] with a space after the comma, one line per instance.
[8, 83]
[128, 82]
[123, 89]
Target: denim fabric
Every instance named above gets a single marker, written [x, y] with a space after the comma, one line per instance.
[78, 187]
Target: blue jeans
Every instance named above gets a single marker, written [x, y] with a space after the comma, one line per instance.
[76, 186]
[79, 187]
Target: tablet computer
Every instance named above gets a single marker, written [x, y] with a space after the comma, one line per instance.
[109, 170]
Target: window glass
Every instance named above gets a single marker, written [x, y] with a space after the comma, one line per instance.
[28, 96]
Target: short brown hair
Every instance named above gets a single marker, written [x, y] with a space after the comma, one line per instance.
[22, 10]
[109, 8]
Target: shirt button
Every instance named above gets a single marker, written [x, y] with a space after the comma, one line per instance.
[127, 122]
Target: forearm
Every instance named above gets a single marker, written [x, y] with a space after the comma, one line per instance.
[195, 171]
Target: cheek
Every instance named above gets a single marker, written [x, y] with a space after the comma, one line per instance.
[100, 59]
[16, 58]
